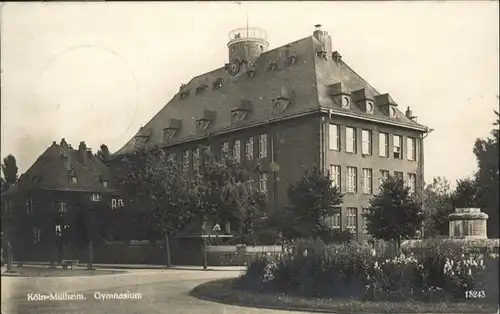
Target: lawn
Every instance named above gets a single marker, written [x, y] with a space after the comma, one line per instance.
[224, 291]
[57, 272]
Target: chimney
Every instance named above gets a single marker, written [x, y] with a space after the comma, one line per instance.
[408, 113]
[323, 38]
[63, 143]
[82, 152]
[336, 57]
[318, 33]
[89, 154]
[54, 143]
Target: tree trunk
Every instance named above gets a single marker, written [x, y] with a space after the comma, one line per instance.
[204, 248]
[167, 249]
[91, 255]
[9, 257]
[398, 245]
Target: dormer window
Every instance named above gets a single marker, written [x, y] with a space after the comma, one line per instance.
[200, 89]
[340, 95]
[292, 59]
[217, 84]
[251, 72]
[346, 102]
[184, 94]
[273, 66]
[141, 137]
[321, 54]
[171, 129]
[364, 99]
[392, 111]
[241, 111]
[238, 115]
[387, 104]
[202, 124]
[369, 107]
[73, 179]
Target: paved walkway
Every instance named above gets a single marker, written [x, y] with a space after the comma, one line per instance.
[162, 291]
[143, 266]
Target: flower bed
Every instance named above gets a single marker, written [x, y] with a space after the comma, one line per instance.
[439, 273]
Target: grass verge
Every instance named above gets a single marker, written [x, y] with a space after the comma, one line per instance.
[225, 291]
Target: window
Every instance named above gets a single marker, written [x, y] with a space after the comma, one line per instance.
[73, 179]
[120, 202]
[185, 160]
[62, 207]
[263, 146]
[383, 147]
[365, 220]
[113, 203]
[96, 197]
[411, 148]
[105, 183]
[208, 152]
[412, 182]
[350, 141]
[263, 183]
[36, 235]
[29, 205]
[367, 181]
[335, 219]
[335, 173]
[384, 174]
[249, 148]
[334, 134]
[351, 180]
[398, 175]
[366, 139]
[171, 157]
[352, 219]
[397, 152]
[224, 151]
[237, 150]
[196, 158]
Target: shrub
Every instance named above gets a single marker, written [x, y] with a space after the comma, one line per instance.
[437, 273]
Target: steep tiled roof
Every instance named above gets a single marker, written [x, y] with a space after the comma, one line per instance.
[53, 168]
[306, 81]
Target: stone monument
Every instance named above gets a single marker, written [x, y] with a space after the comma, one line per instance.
[468, 223]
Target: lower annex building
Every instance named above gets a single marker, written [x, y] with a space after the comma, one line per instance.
[296, 105]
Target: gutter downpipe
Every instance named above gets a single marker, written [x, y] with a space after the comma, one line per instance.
[421, 167]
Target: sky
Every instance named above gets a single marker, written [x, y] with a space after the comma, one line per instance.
[97, 72]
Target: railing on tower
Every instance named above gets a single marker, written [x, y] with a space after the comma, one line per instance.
[247, 33]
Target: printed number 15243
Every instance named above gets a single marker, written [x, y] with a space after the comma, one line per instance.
[475, 294]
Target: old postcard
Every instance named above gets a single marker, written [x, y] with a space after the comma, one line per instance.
[249, 157]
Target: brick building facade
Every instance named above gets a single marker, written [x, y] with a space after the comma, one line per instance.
[296, 105]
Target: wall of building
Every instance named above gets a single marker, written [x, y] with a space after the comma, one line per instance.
[360, 200]
[291, 144]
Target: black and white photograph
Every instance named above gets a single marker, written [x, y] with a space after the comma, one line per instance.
[220, 157]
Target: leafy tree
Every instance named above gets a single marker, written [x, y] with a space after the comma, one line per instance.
[487, 177]
[3, 184]
[155, 186]
[103, 153]
[230, 196]
[9, 224]
[312, 202]
[394, 213]
[437, 205]
[466, 194]
[9, 170]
